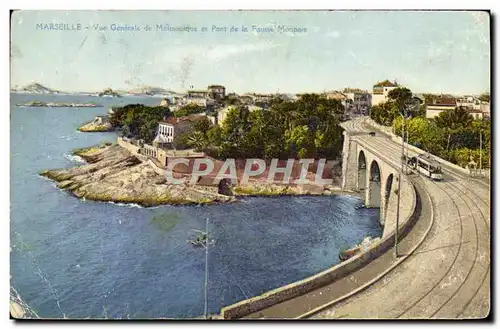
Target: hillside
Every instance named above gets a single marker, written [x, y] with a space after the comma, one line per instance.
[36, 88]
[147, 90]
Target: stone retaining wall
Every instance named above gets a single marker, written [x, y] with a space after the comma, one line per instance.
[292, 290]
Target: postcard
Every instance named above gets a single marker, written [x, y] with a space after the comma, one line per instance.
[222, 165]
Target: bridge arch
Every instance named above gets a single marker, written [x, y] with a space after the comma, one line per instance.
[361, 182]
[387, 196]
[374, 186]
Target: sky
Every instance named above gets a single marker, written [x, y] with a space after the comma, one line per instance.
[427, 51]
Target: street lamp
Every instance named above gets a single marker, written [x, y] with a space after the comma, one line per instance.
[408, 106]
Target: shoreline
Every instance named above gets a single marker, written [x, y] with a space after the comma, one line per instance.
[112, 174]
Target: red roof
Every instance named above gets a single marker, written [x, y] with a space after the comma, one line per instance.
[176, 120]
[445, 101]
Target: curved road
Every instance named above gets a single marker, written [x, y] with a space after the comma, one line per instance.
[448, 275]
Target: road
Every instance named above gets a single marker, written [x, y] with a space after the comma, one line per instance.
[448, 275]
[445, 270]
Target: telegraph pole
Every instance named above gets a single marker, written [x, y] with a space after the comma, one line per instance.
[206, 269]
[480, 154]
[396, 236]
[407, 147]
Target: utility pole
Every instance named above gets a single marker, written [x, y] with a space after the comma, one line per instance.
[206, 269]
[480, 154]
[396, 236]
[407, 147]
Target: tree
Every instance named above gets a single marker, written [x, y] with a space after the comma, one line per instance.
[452, 121]
[384, 113]
[422, 133]
[400, 96]
[191, 108]
[484, 97]
[138, 120]
[197, 140]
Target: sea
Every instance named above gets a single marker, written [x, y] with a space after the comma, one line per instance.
[78, 259]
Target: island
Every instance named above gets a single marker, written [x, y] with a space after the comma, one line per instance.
[52, 104]
[108, 92]
[36, 88]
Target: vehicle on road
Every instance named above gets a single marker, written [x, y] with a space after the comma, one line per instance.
[372, 133]
[427, 166]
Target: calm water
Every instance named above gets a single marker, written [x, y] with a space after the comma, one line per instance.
[79, 258]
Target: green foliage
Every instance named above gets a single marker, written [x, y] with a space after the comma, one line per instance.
[138, 120]
[400, 96]
[453, 135]
[188, 109]
[384, 113]
[485, 97]
[308, 127]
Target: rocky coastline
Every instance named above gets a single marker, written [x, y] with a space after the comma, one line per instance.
[94, 127]
[113, 174]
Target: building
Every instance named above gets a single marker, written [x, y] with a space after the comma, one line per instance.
[262, 98]
[197, 94]
[336, 95]
[471, 102]
[222, 114]
[360, 100]
[165, 102]
[246, 99]
[216, 91]
[165, 135]
[173, 126]
[477, 108]
[381, 91]
[437, 105]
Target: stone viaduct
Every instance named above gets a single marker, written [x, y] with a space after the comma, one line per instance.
[367, 170]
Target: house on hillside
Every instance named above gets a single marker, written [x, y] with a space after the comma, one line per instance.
[216, 92]
[173, 126]
[436, 105]
[222, 114]
[381, 91]
[360, 100]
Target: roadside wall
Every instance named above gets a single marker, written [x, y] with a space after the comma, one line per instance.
[388, 130]
[292, 290]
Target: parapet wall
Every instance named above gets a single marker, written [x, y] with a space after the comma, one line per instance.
[409, 215]
[134, 149]
[395, 138]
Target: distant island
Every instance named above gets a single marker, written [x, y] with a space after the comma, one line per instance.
[108, 92]
[152, 91]
[37, 88]
[51, 104]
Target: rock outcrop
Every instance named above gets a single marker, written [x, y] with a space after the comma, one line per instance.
[114, 174]
[100, 124]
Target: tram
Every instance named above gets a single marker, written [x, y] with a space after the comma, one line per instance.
[426, 166]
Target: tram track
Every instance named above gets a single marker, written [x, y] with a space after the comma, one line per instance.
[470, 199]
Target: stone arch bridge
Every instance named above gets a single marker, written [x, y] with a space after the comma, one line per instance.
[369, 171]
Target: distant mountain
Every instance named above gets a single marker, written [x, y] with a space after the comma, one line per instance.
[36, 88]
[151, 91]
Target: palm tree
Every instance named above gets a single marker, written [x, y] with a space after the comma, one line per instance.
[197, 140]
